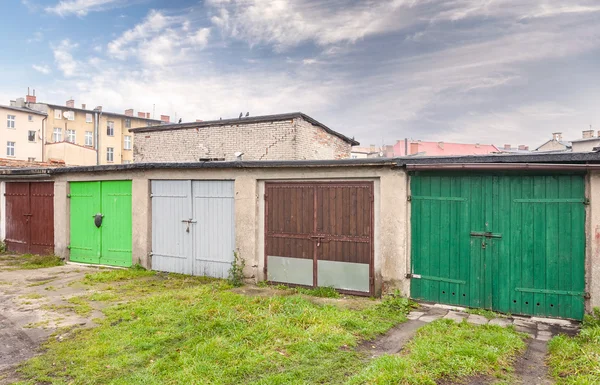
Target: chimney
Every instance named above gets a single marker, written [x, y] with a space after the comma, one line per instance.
[522, 147]
[13, 103]
[129, 112]
[557, 136]
[20, 102]
[165, 118]
[98, 108]
[588, 134]
[83, 106]
[142, 115]
[30, 98]
[526, 148]
[507, 147]
[147, 115]
[199, 120]
[477, 145]
[71, 103]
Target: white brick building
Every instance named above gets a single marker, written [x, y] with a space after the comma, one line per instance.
[293, 136]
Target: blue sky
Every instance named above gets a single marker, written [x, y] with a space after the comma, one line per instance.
[488, 71]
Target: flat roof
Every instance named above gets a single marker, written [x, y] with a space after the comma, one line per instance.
[57, 106]
[548, 159]
[244, 120]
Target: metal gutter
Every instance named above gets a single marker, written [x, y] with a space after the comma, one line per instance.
[503, 166]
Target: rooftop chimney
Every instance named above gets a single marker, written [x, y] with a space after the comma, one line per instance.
[147, 115]
[588, 134]
[142, 115]
[507, 147]
[129, 112]
[83, 106]
[98, 108]
[199, 120]
[165, 118]
[30, 98]
[557, 136]
[522, 147]
[20, 102]
[71, 103]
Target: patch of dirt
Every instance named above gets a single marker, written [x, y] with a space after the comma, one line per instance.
[530, 368]
[393, 341]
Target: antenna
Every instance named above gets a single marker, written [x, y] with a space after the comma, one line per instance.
[153, 110]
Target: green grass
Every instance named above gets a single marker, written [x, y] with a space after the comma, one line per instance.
[191, 331]
[448, 350]
[32, 296]
[324, 292]
[34, 261]
[577, 360]
[80, 305]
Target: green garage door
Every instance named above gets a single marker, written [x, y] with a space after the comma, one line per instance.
[104, 240]
[510, 243]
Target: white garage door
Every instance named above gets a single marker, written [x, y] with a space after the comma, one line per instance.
[193, 228]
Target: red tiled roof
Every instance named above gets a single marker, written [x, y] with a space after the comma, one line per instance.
[15, 163]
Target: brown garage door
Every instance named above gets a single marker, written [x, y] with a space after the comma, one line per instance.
[30, 217]
[320, 234]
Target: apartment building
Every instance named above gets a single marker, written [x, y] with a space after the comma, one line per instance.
[82, 136]
[22, 133]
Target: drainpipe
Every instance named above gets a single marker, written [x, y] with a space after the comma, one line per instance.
[43, 138]
[98, 115]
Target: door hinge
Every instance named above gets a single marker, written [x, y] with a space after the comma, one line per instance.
[409, 198]
[416, 276]
[69, 247]
[587, 295]
[586, 201]
[266, 196]
[68, 195]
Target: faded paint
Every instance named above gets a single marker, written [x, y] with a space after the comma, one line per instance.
[593, 240]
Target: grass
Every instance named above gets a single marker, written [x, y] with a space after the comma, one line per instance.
[577, 360]
[34, 261]
[192, 330]
[447, 350]
[32, 296]
[41, 283]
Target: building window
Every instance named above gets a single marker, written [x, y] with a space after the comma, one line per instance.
[30, 118]
[89, 138]
[57, 114]
[71, 136]
[127, 145]
[57, 135]
[127, 123]
[88, 118]
[110, 154]
[10, 121]
[110, 128]
[70, 115]
[10, 148]
[31, 136]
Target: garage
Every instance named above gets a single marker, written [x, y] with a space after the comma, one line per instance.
[513, 243]
[193, 227]
[320, 234]
[100, 222]
[30, 217]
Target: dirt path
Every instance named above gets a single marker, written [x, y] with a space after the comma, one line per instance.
[530, 368]
[393, 341]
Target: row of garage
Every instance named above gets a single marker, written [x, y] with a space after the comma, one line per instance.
[511, 242]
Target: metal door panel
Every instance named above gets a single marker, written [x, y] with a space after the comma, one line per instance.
[116, 229]
[42, 217]
[214, 228]
[85, 237]
[17, 217]
[171, 243]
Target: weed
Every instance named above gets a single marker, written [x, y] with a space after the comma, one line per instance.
[486, 313]
[34, 261]
[3, 247]
[50, 288]
[32, 296]
[103, 297]
[395, 302]
[449, 350]
[577, 360]
[262, 284]
[236, 272]
[80, 305]
[325, 292]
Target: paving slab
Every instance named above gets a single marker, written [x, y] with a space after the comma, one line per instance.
[504, 322]
[476, 319]
[456, 316]
[431, 317]
[413, 315]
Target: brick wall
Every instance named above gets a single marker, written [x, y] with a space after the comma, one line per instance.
[279, 140]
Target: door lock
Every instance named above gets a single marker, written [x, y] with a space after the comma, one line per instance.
[187, 222]
[483, 245]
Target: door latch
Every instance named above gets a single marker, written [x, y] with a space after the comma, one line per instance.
[187, 222]
[483, 245]
[98, 219]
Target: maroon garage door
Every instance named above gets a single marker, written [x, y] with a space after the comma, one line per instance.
[320, 234]
[30, 217]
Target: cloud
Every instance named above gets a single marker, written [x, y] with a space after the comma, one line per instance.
[36, 37]
[159, 39]
[64, 58]
[42, 68]
[82, 7]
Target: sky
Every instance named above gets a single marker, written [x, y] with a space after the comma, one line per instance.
[472, 71]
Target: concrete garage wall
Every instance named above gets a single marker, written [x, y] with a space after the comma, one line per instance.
[390, 243]
[592, 265]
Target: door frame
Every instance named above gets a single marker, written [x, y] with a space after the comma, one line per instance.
[315, 183]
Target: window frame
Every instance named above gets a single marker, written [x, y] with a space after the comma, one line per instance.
[91, 137]
[34, 136]
[90, 116]
[11, 119]
[58, 114]
[68, 136]
[110, 128]
[127, 122]
[30, 118]
[110, 154]
[54, 136]
[127, 142]
[10, 147]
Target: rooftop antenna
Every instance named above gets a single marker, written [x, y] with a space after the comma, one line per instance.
[153, 110]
